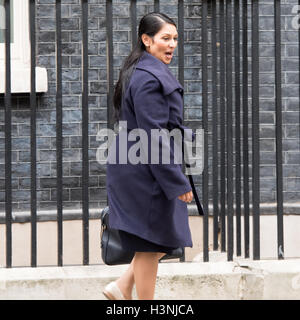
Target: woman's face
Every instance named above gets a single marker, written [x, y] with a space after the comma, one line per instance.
[163, 44]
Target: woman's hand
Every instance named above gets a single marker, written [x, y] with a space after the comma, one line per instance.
[186, 197]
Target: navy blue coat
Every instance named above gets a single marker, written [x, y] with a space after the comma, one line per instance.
[143, 198]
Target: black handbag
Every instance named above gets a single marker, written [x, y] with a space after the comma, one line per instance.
[112, 252]
[111, 247]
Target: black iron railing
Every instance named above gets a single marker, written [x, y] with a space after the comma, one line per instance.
[228, 50]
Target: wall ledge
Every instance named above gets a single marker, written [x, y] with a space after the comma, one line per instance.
[20, 80]
[94, 213]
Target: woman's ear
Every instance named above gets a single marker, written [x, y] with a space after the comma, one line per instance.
[146, 40]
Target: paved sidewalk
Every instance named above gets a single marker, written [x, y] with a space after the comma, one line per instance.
[239, 279]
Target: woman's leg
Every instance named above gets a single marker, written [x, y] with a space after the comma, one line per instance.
[126, 282]
[145, 266]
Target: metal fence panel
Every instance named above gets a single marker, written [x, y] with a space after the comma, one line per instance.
[230, 187]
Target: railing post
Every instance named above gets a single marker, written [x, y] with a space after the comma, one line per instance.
[278, 125]
[33, 134]
[204, 41]
[85, 133]
[8, 104]
[59, 138]
[255, 129]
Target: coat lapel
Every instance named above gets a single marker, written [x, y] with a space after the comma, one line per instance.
[160, 70]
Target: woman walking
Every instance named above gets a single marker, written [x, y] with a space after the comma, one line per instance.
[148, 201]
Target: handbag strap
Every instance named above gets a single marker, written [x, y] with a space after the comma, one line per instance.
[200, 209]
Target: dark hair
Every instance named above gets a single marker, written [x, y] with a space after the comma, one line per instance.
[150, 24]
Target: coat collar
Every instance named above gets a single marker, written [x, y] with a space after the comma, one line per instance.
[160, 70]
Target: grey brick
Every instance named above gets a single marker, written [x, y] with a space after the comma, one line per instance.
[97, 61]
[169, 10]
[98, 115]
[290, 144]
[292, 184]
[65, 142]
[24, 156]
[46, 1]
[192, 73]
[46, 155]
[290, 90]
[71, 75]
[46, 36]
[292, 78]
[192, 23]
[268, 184]
[121, 11]
[97, 36]
[20, 169]
[46, 24]
[293, 157]
[65, 36]
[65, 11]
[71, 102]
[76, 194]
[71, 49]
[289, 64]
[75, 61]
[267, 117]
[46, 49]
[96, 168]
[267, 131]
[93, 49]
[291, 104]
[25, 183]
[290, 170]
[97, 10]
[75, 88]
[290, 117]
[43, 169]
[75, 36]
[71, 155]
[292, 50]
[291, 131]
[76, 142]
[48, 183]
[21, 195]
[72, 115]
[70, 23]
[65, 195]
[75, 168]
[267, 144]
[267, 157]
[267, 171]
[291, 196]
[53, 170]
[46, 130]
[123, 23]
[71, 129]
[43, 195]
[267, 196]
[45, 11]
[98, 87]
[192, 100]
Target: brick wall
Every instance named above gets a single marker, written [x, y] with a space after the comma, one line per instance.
[71, 37]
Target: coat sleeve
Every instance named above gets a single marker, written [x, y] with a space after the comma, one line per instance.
[152, 112]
